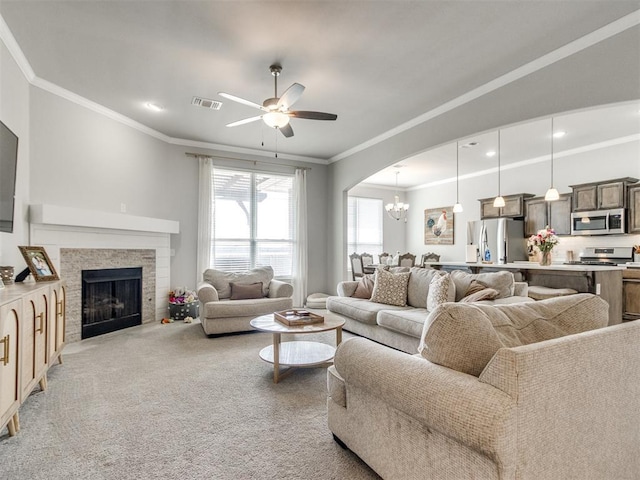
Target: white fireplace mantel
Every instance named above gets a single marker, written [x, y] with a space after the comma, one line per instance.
[78, 217]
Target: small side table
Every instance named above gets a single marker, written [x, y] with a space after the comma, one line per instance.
[297, 354]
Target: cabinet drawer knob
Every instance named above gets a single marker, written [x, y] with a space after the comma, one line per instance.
[5, 356]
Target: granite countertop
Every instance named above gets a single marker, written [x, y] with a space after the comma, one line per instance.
[525, 265]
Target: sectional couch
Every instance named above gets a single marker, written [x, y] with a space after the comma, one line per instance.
[398, 322]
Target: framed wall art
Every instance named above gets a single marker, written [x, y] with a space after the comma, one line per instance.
[39, 263]
[438, 226]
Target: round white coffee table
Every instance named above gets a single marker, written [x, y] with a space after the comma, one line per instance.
[297, 354]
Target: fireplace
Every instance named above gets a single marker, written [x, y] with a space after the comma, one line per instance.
[111, 300]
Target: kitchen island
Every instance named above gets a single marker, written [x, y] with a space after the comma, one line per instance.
[605, 281]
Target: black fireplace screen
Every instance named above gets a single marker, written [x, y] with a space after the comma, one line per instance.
[111, 300]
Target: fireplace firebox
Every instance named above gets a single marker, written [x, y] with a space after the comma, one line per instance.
[111, 300]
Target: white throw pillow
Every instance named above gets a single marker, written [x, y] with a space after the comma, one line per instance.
[390, 288]
[441, 290]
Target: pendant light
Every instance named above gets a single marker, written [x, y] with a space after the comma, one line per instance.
[499, 200]
[552, 194]
[397, 210]
[457, 208]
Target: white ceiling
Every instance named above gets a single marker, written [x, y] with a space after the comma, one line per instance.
[523, 143]
[376, 64]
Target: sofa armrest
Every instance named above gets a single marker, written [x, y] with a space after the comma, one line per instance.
[207, 293]
[454, 403]
[346, 289]
[520, 289]
[279, 289]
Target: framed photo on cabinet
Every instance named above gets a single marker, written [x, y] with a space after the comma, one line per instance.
[39, 263]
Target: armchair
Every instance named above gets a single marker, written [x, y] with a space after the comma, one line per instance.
[229, 300]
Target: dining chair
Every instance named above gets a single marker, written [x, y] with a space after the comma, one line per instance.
[383, 257]
[429, 257]
[357, 269]
[406, 260]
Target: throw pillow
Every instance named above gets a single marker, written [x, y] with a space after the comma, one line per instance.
[474, 286]
[441, 290]
[464, 337]
[484, 294]
[502, 281]
[243, 291]
[364, 289]
[390, 288]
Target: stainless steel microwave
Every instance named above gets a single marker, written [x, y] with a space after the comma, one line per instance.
[599, 222]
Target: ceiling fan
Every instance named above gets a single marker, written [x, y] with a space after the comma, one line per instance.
[276, 110]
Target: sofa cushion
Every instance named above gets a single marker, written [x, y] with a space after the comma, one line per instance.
[390, 288]
[503, 282]
[221, 279]
[418, 286]
[464, 336]
[410, 322]
[441, 290]
[482, 294]
[242, 291]
[364, 311]
[364, 289]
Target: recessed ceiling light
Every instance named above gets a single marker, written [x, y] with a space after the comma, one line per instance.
[559, 134]
[491, 153]
[154, 106]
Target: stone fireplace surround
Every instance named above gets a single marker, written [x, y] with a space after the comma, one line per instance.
[74, 260]
[77, 239]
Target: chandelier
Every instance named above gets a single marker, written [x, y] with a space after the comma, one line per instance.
[397, 210]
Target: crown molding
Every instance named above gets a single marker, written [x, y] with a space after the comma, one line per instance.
[25, 67]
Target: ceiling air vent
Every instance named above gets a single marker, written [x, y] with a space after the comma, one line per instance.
[206, 103]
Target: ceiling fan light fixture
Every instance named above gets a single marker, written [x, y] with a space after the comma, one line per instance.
[275, 119]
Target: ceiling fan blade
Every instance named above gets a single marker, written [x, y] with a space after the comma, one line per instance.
[287, 131]
[242, 122]
[312, 115]
[241, 100]
[290, 96]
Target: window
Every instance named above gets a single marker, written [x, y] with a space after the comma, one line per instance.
[252, 221]
[364, 229]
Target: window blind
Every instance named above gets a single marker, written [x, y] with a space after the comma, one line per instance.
[253, 221]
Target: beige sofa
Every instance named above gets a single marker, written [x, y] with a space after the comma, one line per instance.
[224, 307]
[563, 408]
[400, 326]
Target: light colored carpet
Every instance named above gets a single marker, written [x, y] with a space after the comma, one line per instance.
[166, 402]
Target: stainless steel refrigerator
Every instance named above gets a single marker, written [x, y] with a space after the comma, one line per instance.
[498, 240]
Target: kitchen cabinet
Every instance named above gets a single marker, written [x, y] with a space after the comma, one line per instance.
[631, 294]
[513, 206]
[634, 209]
[9, 355]
[539, 213]
[32, 322]
[601, 195]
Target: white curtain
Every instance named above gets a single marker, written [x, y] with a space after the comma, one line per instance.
[300, 255]
[205, 216]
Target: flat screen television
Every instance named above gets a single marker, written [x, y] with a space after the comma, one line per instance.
[8, 165]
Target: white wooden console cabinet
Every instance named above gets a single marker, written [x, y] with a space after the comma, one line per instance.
[32, 330]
